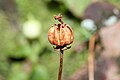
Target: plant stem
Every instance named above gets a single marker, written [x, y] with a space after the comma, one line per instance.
[61, 64]
[91, 57]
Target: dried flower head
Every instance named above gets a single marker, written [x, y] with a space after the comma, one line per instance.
[60, 34]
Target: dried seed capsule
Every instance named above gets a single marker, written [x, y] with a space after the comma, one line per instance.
[60, 34]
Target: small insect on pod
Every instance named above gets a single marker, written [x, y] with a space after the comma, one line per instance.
[60, 34]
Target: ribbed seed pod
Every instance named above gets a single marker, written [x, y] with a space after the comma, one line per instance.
[60, 34]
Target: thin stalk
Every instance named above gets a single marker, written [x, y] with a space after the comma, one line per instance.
[61, 64]
[91, 57]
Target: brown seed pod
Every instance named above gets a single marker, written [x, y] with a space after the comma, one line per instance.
[60, 34]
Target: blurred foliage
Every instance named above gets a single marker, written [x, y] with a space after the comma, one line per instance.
[35, 59]
[77, 7]
[115, 2]
[17, 72]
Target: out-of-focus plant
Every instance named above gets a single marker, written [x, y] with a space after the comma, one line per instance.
[115, 2]
[32, 28]
[77, 7]
[17, 72]
[31, 49]
[39, 73]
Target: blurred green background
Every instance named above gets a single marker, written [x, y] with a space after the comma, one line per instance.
[25, 53]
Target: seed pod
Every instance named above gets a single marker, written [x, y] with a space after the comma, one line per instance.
[60, 34]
